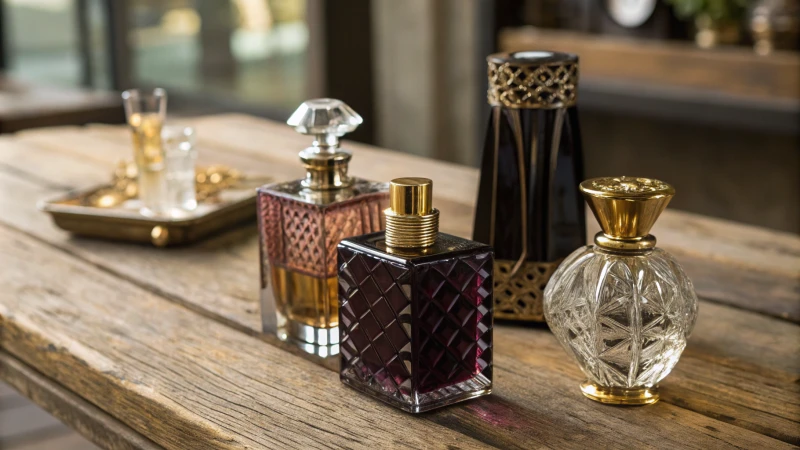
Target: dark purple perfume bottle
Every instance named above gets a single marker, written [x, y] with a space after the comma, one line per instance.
[415, 312]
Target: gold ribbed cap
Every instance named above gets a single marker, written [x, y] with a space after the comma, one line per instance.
[626, 208]
[411, 219]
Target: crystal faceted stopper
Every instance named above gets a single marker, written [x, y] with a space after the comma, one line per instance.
[622, 308]
[326, 119]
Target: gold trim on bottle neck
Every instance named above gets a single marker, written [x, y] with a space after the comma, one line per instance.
[411, 220]
[532, 80]
[326, 170]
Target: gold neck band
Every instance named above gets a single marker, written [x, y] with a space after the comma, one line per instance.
[631, 245]
[532, 80]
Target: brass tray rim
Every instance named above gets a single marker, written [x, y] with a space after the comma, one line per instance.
[53, 207]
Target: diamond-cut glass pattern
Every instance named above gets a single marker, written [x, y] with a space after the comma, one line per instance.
[299, 230]
[303, 236]
[417, 334]
[625, 319]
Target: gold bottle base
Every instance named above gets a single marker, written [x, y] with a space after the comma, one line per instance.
[618, 395]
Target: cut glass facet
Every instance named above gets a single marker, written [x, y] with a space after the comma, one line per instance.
[625, 319]
[416, 325]
[299, 230]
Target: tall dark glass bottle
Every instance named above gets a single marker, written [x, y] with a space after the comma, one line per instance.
[529, 207]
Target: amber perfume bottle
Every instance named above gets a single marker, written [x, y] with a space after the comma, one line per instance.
[622, 307]
[300, 224]
[529, 208]
[415, 308]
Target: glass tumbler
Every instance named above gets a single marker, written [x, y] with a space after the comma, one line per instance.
[145, 112]
[181, 156]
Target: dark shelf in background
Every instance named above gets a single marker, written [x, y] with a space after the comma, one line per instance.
[727, 87]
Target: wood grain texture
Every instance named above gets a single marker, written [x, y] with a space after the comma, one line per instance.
[181, 379]
[186, 381]
[729, 262]
[166, 272]
[88, 420]
[727, 390]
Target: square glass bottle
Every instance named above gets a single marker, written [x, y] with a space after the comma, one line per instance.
[302, 221]
[415, 308]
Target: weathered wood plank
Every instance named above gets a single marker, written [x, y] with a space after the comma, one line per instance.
[701, 382]
[181, 379]
[231, 299]
[729, 341]
[235, 298]
[186, 381]
[81, 416]
[724, 258]
[729, 263]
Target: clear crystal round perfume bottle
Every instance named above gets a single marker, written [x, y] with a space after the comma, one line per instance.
[622, 307]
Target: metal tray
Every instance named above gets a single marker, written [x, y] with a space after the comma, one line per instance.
[231, 206]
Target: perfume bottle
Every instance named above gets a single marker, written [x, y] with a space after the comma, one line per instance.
[415, 308]
[622, 307]
[300, 224]
[529, 208]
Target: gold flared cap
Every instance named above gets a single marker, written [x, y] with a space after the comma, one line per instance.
[411, 219]
[626, 208]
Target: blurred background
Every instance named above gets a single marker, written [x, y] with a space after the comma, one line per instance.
[702, 93]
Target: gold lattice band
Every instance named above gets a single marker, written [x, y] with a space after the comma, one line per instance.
[542, 80]
[519, 296]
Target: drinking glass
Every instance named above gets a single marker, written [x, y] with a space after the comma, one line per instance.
[181, 155]
[145, 112]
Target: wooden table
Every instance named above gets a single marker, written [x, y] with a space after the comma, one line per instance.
[137, 347]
